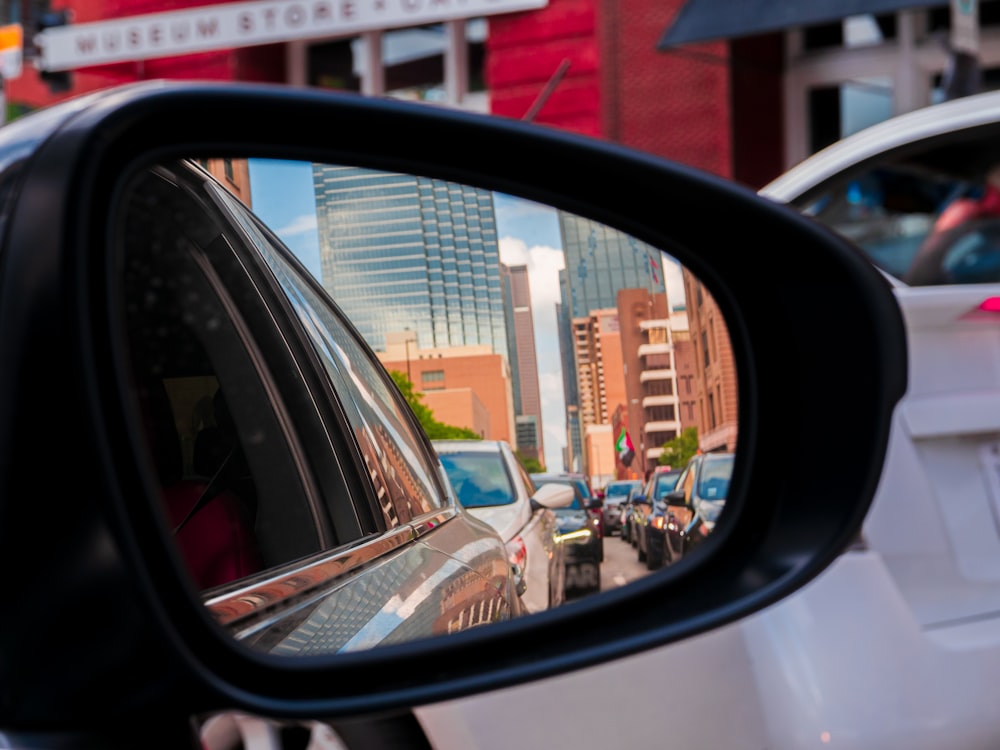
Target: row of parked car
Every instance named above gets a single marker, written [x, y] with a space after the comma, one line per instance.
[551, 523]
[673, 511]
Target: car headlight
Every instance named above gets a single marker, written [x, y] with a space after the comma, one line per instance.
[579, 536]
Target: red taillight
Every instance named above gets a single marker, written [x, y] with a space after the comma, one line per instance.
[517, 553]
[984, 310]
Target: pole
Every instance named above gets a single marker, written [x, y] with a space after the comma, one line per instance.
[547, 91]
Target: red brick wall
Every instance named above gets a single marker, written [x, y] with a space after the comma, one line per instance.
[618, 85]
[525, 50]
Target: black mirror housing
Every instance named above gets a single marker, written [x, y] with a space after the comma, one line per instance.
[107, 548]
[675, 498]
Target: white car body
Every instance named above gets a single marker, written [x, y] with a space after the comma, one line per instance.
[897, 644]
[527, 519]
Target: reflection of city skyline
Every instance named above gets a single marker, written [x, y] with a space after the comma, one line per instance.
[419, 258]
[400, 252]
[377, 261]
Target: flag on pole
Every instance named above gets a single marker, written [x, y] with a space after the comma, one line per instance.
[626, 451]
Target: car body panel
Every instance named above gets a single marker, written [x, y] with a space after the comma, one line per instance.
[521, 519]
[934, 519]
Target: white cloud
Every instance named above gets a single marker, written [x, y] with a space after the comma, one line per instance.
[553, 417]
[298, 225]
[674, 281]
[544, 263]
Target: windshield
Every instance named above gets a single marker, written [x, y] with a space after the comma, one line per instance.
[618, 490]
[713, 484]
[479, 479]
[666, 483]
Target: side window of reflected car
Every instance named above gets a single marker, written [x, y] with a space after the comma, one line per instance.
[397, 456]
[228, 467]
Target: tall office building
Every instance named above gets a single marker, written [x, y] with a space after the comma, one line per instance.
[599, 262]
[524, 362]
[406, 253]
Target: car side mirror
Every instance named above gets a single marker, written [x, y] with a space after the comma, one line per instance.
[553, 496]
[675, 499]
[158, 270]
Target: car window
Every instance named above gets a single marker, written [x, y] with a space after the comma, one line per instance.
[479, 478]
[379, 417]
[665, 483]
[918, 222]
[713, 481]
[201, 371]
[617, 490]
[685, 481]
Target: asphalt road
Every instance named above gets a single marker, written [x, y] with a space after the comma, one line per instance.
[621, 564]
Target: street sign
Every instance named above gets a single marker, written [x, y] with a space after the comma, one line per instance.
[11, 46]
[231, 25]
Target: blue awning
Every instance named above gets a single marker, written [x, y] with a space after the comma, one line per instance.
[710, 20]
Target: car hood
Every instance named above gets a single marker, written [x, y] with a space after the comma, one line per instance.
[508, 520]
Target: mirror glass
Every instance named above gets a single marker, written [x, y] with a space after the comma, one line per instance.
[296, 332]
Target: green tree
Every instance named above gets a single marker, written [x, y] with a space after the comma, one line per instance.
[531, 465]
[678, 452]
[435, 430]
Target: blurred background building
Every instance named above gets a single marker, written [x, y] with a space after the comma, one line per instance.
[740, 88]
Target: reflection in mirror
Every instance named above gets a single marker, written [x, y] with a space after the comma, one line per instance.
[295, 334]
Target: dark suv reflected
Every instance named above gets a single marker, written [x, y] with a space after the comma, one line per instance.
[696, 504]
[649, 515]
[580, 530]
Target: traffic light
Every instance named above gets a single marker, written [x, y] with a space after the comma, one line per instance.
[57, 81]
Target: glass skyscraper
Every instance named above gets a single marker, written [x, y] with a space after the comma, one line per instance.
[400, 252]
[600, 261]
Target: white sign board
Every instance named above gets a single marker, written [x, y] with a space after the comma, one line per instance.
[214, 27]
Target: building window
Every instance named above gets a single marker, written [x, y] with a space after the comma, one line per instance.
[706, 360]
[660, 388]
[432, 376]
[711, 411]
[660, 414]
[227, 165]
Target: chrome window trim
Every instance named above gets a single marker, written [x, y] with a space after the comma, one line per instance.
[250, 599]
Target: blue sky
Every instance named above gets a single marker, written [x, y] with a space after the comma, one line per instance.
[282, 196]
